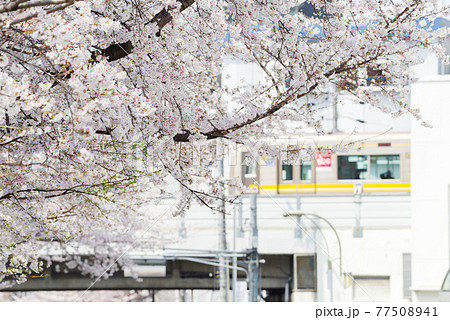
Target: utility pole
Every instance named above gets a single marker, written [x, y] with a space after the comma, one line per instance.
[223, 273]
[330, 279]
[298, 232]
[335, 92]
[254, 257]
[238, 232]
[234, 272]
[357, 193]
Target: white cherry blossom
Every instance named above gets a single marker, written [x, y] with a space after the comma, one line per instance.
[101, 102]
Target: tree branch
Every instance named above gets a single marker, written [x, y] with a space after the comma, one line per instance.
[2, 144]
[57, 192]
[34, 15]
[164, 17]
[120, 50]
[25, 4]
[222, 133]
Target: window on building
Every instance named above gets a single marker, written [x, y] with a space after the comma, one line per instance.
[375, 76]
[286, 171]
[305, 170]
[384, 167]
[352, 167]
[305, 272]
[348, 80]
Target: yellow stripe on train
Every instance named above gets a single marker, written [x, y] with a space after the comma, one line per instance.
[343, 187]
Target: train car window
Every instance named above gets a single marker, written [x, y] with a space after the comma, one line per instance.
[249, 166]
[286, 171]
[249, 169]
[305, 170]
[385, 167]
[352, 167]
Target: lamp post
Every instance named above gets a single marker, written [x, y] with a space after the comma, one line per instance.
[300, 214]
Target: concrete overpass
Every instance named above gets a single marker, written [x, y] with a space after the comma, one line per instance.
[180, 273]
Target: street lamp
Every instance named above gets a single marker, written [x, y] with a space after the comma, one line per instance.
[298, 213]
[329, 272]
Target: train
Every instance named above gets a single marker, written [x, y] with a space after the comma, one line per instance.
[335, 163]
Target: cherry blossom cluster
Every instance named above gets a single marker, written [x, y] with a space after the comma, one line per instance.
[101, 102]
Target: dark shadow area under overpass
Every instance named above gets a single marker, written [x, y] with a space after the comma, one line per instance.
[275, 272]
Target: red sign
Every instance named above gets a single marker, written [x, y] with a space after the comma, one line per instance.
[323, 160]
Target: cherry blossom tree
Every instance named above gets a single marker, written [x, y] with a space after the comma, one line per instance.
[101, 103]
[90, 296]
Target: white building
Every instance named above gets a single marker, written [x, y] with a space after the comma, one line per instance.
[430, 187]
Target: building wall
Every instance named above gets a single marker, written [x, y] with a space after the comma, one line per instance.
[430, 183]
[375, 257]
